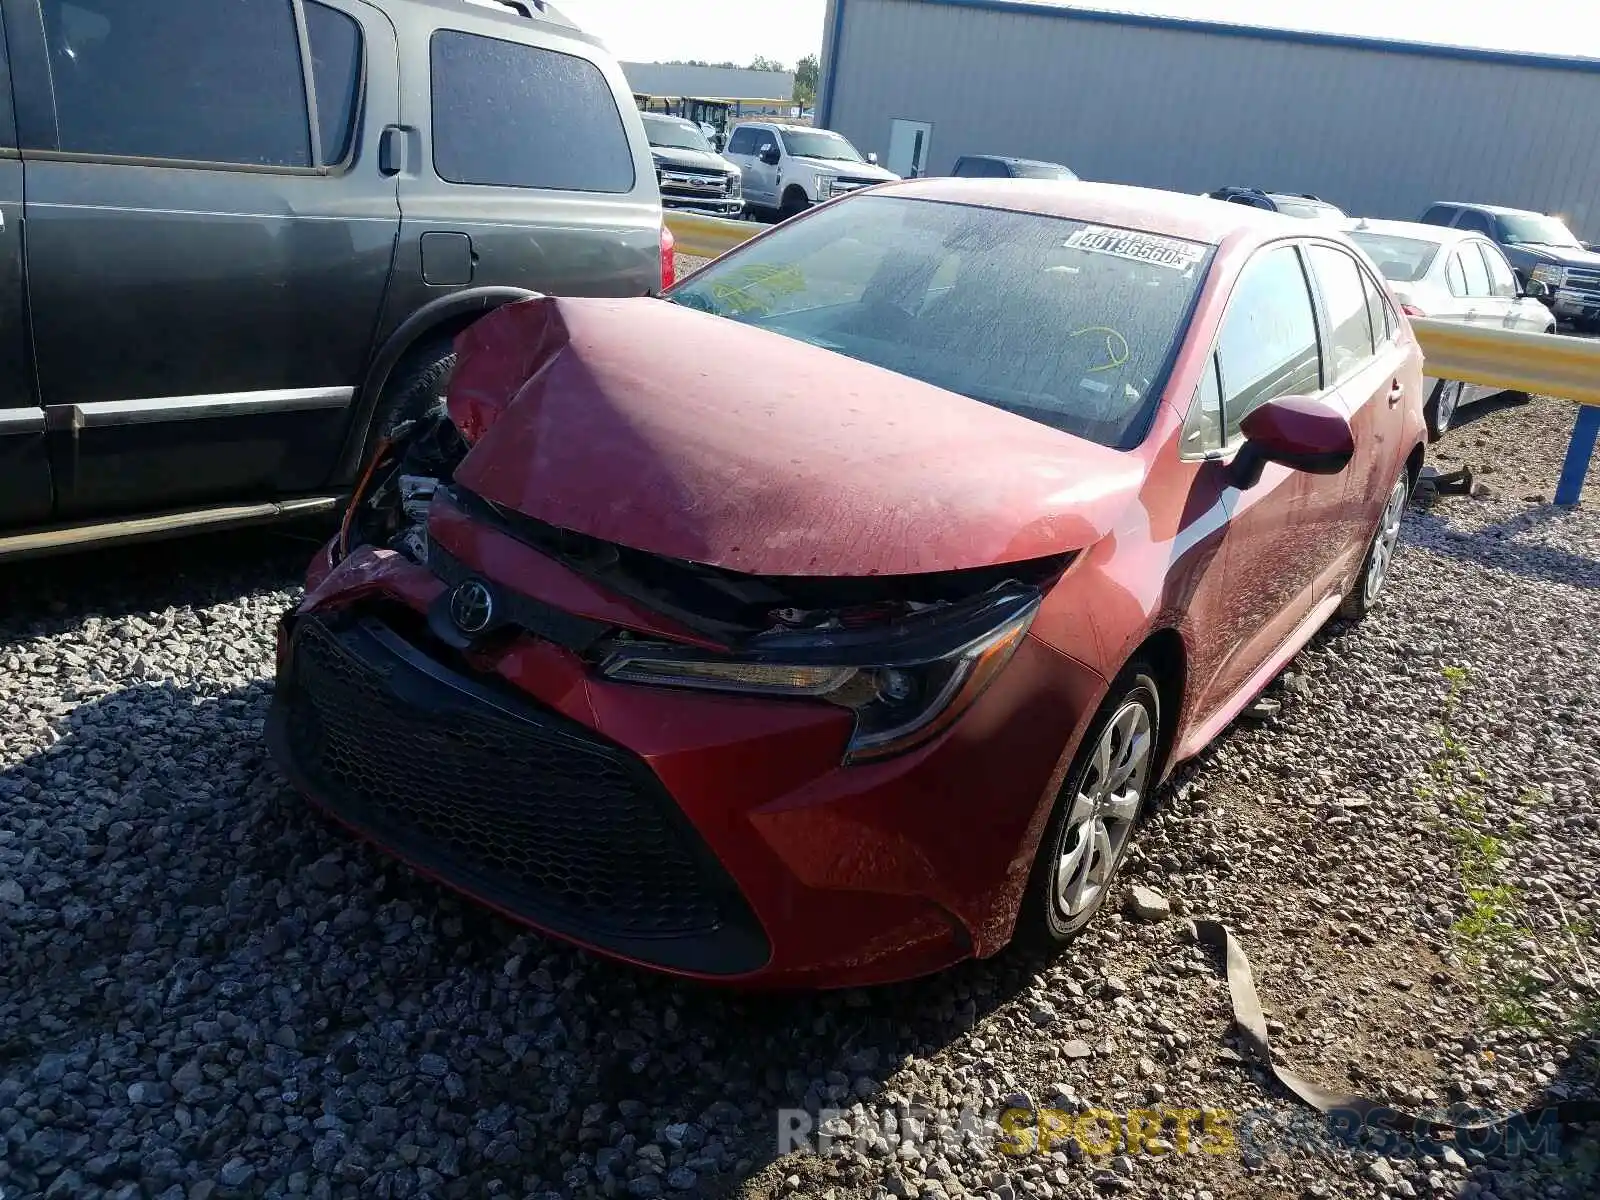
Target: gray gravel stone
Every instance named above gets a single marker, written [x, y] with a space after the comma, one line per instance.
[207, 990]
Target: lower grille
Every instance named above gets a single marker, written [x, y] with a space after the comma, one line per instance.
[518, 805]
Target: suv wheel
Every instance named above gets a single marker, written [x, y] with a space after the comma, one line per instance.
[418, 383]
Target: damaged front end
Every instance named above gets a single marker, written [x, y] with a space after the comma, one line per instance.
[905, 655]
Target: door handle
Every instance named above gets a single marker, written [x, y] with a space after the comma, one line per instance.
[391, 150]
[1397, 392]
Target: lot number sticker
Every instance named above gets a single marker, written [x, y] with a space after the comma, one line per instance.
[1175, 253]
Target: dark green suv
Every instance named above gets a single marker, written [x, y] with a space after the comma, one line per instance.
[237, 240]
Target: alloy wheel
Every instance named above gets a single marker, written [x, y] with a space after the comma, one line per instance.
[1103, 813]
[1445, 407]
[1385, 540]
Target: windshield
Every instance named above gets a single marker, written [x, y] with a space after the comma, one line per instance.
[1041, 171]
[678, 135]
[1069, 324]
[1535, 230]
[818, 143]
[1305, 209]
[1401, 259]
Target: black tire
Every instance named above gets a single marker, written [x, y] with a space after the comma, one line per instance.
[419, 382]
[1440, 411]
[1361, 599]
[1043, 924]
[795, 202]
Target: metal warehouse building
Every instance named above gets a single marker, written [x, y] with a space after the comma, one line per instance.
[1379, 128]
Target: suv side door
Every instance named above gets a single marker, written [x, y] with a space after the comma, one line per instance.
[24, 465]
[518, 164]
[208, 239]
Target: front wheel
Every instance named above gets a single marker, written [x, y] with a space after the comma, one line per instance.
[1096, 811]
[795, 202]
[1375, 566]
[1441, 407]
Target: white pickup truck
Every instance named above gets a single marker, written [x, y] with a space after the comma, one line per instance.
[788, 168]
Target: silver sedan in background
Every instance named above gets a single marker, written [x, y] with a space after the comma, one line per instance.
[1451, 275]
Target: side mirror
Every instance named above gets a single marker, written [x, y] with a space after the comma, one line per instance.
[1536, 289]
[872, 157]
[770, 155]
[1298, 432]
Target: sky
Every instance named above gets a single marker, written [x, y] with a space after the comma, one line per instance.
[738, 30]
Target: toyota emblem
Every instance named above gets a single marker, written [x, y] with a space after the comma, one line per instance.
[472, 607]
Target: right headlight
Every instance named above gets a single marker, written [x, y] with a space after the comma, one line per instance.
[899, 702]
[1549, 273]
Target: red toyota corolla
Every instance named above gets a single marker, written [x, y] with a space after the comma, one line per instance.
[834, 618]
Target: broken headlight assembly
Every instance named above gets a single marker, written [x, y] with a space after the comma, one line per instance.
[905, 683]
[389, 508]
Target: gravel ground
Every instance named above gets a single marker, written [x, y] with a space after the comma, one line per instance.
[206, 991]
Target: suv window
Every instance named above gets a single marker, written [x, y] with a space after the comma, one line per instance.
[190, 80]
[1349, 336]
[745, 140]
[1268, 344]
[1477, 275]
[1502, 281]
[1474, 221]
[335, 40]
[509, 115]
[1439, 214]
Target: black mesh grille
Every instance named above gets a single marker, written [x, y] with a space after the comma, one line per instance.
[527, 806]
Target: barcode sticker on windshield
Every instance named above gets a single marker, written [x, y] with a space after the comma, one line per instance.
[1137, 247]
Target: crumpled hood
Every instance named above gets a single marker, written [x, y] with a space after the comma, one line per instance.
[653, 426]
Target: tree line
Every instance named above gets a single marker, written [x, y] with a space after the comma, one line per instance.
[805, 72]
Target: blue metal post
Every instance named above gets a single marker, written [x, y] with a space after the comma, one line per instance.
[1584, 435]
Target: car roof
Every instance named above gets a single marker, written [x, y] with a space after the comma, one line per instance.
[1440, 234]
[1149, 210]
[1302, 199]
[1015, 161]
[650, 116]
[788, 128]
[1497, 209]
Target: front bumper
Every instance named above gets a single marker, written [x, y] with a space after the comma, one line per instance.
[581, 806]
[1572, 305]
[730, 206]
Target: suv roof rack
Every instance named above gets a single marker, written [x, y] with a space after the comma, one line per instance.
[520, 7]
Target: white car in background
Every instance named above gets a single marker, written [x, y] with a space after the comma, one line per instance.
[1451, 275]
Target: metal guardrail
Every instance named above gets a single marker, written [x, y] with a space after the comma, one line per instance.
[1540, 363]
[707, 237]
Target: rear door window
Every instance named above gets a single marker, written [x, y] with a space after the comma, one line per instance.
[1378, 311]
[1454, 276]
[1439, 214]
[1268, 344]
[335, 40]
[191, 80]
[745, 140]
[1474, 221]
[510, 115]
[1476, 274]
[1502, 282]
[1349, 336]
